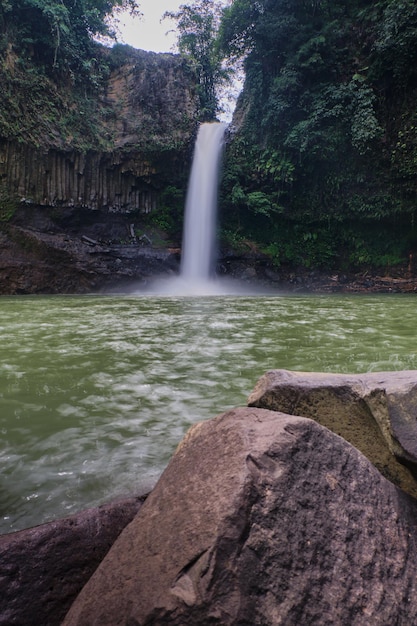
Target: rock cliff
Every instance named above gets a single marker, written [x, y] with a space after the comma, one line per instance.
[92, 165]
[141, 129]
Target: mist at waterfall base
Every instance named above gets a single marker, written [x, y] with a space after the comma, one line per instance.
[199, 246]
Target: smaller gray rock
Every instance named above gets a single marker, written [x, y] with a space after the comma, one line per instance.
[375, 412]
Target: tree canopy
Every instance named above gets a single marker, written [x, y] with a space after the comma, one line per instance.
[58, 33]
[327, 139]
[198, 25]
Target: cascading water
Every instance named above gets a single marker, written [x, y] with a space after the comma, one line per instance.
[197, 276]
[199, 236]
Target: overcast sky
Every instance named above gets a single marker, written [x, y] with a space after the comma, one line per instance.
[148, 33]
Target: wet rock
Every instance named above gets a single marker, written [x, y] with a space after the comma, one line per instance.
[261, 519]
[75, 254]
[249, 274]
[375, 412]
[42, 569]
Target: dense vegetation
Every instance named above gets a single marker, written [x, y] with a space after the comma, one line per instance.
[197, 27]
[52, 69]
[322, 169]
[321, 166]
[59, 36]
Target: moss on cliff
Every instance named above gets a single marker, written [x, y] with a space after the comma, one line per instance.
[321, 170]
[139, 100]
[114, 143]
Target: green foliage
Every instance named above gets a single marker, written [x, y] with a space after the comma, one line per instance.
[197, 25]
[59, 35]
[309, 247]
[273, 251]
[8, 204]
[396, 44]
[259, 203]
[169, 216]
[233, 239]
[375, 248]
[237, 26]
[33, 110]
[327, 128]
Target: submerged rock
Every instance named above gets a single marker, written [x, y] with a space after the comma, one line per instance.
[261, 519]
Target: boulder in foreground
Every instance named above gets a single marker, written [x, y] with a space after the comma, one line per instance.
[261, 519]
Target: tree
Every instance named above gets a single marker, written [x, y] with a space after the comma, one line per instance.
[396, 45]
[198, 25]
[237, 27]
[59, 33]
[325, 152]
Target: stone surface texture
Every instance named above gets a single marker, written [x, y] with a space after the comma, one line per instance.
[376, 412]
[261, 519]
[42, 569]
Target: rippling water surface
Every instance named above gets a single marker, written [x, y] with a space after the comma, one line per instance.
[96, 392]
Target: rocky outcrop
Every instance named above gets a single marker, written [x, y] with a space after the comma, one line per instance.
[73, 254]
[44, 568]
[261, 519]
[145, 121]
[87, 158]
[375, 412]
[154, 101]
[94, 180]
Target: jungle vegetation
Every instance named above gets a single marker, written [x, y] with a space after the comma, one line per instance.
[52, 69]
[321, 170]
[59, 35]
[321, 164]
[198, 26]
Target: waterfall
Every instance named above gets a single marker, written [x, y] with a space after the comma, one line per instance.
[199, 235]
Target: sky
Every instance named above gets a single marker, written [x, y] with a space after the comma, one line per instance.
[147, 32]
[151, 32]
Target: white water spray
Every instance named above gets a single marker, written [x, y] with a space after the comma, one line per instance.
[199, 236]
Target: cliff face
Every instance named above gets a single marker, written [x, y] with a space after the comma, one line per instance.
[85, 176]
[154, 102]
[119, 180]
[144, 119]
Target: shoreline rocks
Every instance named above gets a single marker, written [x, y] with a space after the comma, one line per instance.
[261, 519]
[44, 250]
[42, 569]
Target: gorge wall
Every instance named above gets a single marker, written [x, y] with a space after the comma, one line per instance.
[85, 169]
[145, 120]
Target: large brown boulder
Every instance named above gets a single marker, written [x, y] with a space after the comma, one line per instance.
[376, 412]
[42, 569]
[261, 519]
